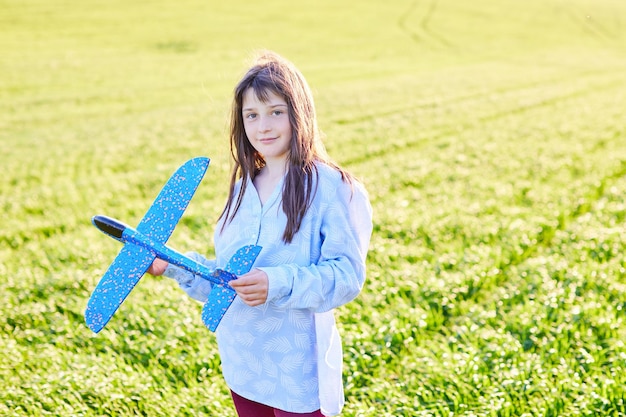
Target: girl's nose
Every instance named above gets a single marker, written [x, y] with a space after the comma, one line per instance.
[264, 124]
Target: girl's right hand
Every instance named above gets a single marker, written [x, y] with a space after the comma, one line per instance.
[158, 267]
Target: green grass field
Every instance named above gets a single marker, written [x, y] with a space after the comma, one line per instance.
[490, 135]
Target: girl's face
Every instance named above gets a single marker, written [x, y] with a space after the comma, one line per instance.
[267, 125]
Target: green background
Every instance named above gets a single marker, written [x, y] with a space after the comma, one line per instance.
[490, 135]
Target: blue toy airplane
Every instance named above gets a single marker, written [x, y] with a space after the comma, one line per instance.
[144, 244]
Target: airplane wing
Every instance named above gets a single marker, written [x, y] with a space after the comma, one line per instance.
[222, 296]
[162, 217]
[118, 281]
[133, 260]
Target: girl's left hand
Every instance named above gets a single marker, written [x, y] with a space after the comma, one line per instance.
[252, 287]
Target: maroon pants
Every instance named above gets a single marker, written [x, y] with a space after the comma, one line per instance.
[248, 408]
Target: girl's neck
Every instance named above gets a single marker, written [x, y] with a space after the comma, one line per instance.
[274, 168]
[267, 179]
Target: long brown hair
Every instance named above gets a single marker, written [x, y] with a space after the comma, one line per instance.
[273, 73]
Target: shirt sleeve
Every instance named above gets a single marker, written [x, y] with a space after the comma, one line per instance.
[339, 274]
[195, 286]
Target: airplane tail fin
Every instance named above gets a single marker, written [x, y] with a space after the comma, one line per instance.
[221, 297]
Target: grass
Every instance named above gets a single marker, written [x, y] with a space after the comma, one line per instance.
[490, 136]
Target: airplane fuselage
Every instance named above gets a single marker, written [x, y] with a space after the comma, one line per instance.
[130, 235]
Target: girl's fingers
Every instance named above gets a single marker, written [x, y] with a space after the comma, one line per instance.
[158, 267]
[252, 287]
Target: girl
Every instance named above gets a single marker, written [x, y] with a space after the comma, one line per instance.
[279, 346]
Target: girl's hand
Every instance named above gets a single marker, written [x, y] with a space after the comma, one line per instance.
[158, 267]
[252, 287]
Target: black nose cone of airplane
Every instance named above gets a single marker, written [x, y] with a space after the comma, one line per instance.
[109, 226]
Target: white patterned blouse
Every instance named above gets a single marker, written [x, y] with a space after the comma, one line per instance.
[286, 353]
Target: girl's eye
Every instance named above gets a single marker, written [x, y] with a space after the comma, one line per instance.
[250, 116]
[277, 112]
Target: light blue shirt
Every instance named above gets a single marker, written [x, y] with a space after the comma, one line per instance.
[270, 352]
